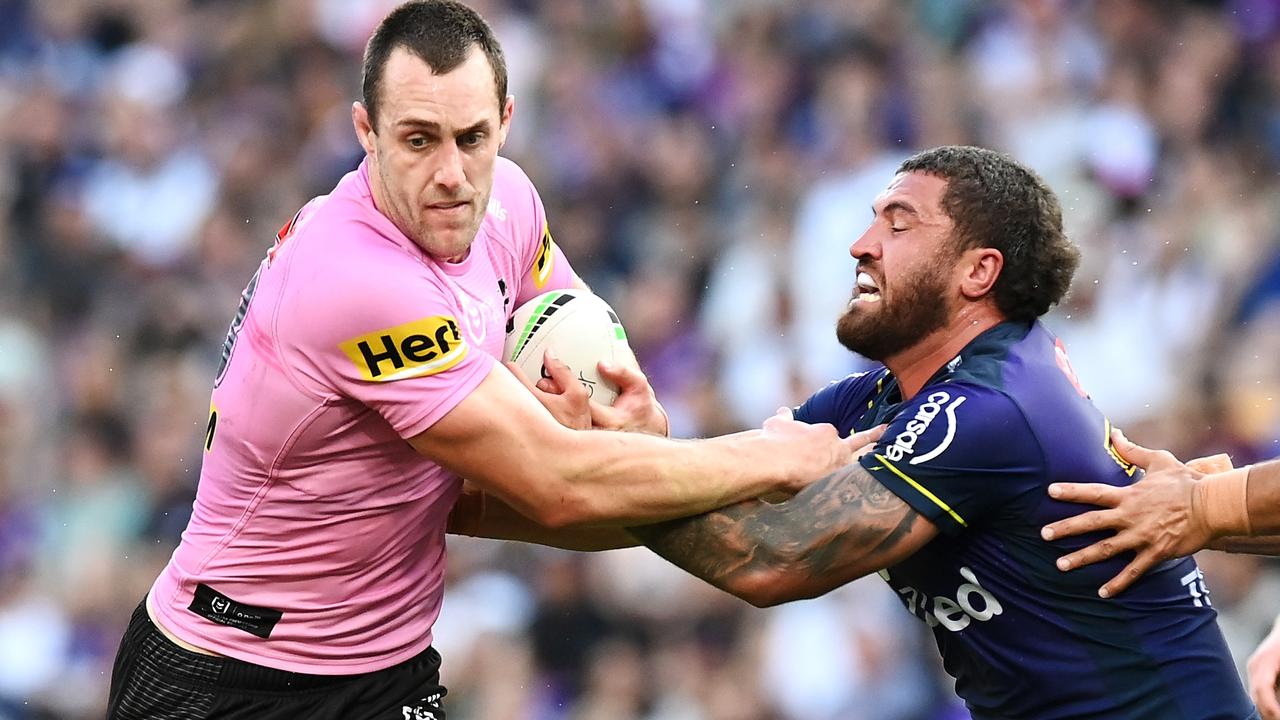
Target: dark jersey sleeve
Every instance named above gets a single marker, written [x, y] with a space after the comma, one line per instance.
[842, 402]
[956, 452]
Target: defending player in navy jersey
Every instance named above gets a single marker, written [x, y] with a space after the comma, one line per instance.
[965, 252]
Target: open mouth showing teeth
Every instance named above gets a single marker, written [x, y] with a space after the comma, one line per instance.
[868, 291]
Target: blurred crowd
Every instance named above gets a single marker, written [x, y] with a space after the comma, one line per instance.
[705, 166]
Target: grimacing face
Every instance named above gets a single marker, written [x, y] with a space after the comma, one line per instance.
[905, 262]
[432, 154]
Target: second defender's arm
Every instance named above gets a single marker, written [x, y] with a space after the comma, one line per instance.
[1260, 545]
[842, 527]
[502, 439]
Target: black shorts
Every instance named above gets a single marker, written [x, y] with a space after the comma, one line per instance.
[155, 679]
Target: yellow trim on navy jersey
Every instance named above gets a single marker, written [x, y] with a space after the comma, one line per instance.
[923, 491]
[879, 389]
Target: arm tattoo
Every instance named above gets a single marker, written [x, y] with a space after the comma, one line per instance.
[841, 527]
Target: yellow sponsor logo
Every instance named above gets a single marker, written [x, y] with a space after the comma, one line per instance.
[545, 259]
[1129, 468]
[212, 427]
[422, 347]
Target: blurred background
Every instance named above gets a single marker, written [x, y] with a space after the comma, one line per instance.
[705, 166]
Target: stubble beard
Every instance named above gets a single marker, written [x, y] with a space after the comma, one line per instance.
[447, 244]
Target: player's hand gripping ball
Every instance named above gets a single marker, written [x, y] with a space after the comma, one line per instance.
[579, 328]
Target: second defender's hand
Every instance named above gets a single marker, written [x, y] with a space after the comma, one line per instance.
[1157, 518]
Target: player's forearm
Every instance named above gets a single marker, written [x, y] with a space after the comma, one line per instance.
[478, 514]
[729, 548]
[842, 527]
[503, 440]
[1264, 498]
[624, 479]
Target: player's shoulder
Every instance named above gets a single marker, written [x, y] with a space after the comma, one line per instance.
[842, 401]
[990, 404]
[956, 424]
[1028, 365]
[340, 241]
[341, 274]
[855, 385]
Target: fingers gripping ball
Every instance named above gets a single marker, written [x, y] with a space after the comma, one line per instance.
[579, 328]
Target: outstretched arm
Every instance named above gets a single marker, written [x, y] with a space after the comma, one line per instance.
[502, 439]
[842, 527]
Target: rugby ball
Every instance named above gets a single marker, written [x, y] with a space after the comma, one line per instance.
[579, 328]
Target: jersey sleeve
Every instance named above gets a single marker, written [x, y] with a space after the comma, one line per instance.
[542, 265]
[841, 402]
[387, 338]
[955, 453]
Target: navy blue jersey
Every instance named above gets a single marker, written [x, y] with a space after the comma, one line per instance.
[974, 451]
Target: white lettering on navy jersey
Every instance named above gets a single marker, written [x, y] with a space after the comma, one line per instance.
[972, 602]
[905, 443]
[1194, 583]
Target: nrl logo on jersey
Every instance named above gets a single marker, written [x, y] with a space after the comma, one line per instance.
[423, 347]
[904, 444]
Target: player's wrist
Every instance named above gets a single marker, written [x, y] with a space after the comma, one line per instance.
[662, 423]
[1220, 501]
[764, 458]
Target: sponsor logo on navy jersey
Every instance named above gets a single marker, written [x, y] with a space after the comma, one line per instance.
[904, 444]
[972, 602]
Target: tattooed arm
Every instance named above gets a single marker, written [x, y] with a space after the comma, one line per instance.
[842, 527]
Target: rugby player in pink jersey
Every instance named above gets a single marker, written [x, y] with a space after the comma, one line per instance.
[359, 383]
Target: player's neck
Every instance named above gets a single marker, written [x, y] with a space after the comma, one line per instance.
[914, 366]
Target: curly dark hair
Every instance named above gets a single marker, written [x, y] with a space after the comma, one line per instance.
[442, 33]
[996, 202]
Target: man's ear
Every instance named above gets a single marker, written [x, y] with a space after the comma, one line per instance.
[504, 123]
[363, 127]
[980, 268]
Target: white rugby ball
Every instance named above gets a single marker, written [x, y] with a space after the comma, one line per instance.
[579, 328]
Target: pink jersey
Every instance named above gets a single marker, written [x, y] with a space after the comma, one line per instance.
[317, 540]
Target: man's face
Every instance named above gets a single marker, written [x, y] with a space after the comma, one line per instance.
[432, 153]
[905, 266]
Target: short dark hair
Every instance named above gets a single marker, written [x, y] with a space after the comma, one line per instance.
[997, 202]
[442, 33]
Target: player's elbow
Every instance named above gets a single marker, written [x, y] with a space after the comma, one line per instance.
[768, 592]
[786, 575]
[768, 587]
